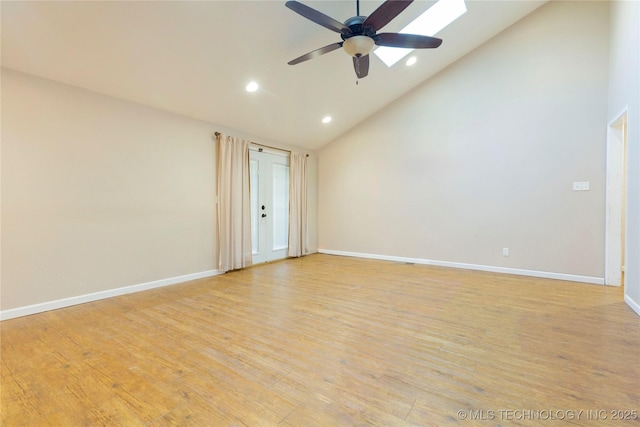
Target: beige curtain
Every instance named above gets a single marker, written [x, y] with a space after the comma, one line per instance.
[298, 241]
[234, 207]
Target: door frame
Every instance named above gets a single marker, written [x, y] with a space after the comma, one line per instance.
[616, 196]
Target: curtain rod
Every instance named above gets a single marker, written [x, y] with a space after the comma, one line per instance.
[217, 134]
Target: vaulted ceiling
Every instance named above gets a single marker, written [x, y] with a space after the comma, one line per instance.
[194, 58]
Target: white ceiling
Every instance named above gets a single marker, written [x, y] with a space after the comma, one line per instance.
[194, 58]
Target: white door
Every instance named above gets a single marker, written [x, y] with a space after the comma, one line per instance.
[269, 205]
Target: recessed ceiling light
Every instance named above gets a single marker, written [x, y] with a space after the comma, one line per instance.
[411, 61]
[434, 19]
[252, 87]
[326, 120]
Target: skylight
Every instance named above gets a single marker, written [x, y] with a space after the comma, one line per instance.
[434, 19]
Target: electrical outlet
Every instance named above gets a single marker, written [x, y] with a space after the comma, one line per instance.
[505, 251]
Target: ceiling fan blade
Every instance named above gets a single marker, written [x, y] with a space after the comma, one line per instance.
[317, 17]
[361, 66]
[316, 53]
[411, 41]
[385, 13]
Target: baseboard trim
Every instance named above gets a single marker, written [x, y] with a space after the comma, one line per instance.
[489, 268]
[81, 299]
[631, 303]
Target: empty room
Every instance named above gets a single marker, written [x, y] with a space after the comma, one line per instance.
[320, 213]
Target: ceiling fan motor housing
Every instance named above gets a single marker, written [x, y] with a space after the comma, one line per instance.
[358, 41]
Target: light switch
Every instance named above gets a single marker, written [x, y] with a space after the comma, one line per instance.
[581, 186]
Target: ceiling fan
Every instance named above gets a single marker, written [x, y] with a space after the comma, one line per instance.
[359, 33]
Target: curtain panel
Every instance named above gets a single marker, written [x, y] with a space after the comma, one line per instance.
[298, 240]
[234, 208]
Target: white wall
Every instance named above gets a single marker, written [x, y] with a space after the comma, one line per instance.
[624, 93]
[100, 194]
[483, 156]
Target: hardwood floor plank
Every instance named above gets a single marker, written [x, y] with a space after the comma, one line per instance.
[327, 341]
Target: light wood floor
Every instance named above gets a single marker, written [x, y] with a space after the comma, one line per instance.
[330, 341]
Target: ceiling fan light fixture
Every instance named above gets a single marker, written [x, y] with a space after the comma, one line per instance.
[358, 46]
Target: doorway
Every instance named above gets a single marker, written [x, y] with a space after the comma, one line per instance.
[269, 190]
[616, 200]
